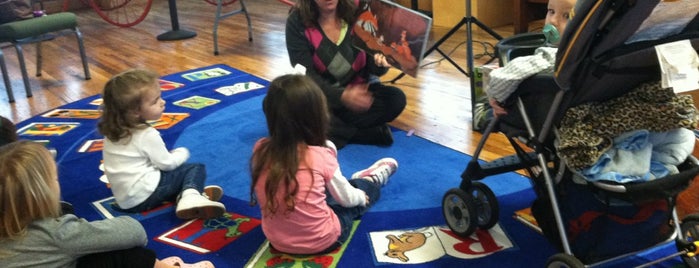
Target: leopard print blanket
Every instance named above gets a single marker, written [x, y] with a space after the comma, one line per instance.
[587, 130]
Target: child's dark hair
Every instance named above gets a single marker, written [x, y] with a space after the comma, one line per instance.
[8, 131]
[297, 116]
[121, 97]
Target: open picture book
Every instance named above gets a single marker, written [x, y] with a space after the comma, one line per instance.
[398, 32]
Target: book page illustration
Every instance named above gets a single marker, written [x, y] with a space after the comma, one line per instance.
[204, 236]
[169, 85]
[47, 128]
[73, 113]
[206, 74]
[398, 32]
[105, 207]
[90, 146]
[196, 102]
[168, 120]
[525, 216]
[238, 88]
[97, 102]
[266, 256]
[433, 242]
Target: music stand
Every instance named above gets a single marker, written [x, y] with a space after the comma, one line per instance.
[467, 20]
[176, 33]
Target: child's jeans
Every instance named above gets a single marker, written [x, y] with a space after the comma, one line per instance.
[172, 183]
[348, 215]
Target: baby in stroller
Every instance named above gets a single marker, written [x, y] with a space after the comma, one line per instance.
[566, 128]
[657, 137]
[505, 81]
[521, 57]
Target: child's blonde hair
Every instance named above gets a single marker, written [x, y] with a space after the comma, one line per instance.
[121, 97]
[27, 187]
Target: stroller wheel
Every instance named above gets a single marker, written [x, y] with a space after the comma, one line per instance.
[487, 208]
[460, 212]
[561, 260]
[690, 232]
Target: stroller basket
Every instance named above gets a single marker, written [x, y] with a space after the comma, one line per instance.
[670, 185]
[599, 227]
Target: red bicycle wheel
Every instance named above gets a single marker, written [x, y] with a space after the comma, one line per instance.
[122, 13]
[224, 3]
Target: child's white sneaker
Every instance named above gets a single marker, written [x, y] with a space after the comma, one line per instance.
[213, 192]
[193, 206]
[379, 171]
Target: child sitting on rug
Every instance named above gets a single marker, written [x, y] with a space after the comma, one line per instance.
[34, 232]
[142, 172]
[295, 168]
[8, 134]
[8, 131]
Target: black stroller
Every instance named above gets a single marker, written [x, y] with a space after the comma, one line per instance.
[606, 52]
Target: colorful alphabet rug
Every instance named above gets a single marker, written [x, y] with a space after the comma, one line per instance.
[216, 112]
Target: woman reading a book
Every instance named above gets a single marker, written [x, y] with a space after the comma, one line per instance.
[319, 37]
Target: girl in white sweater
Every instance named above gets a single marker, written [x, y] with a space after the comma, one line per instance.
[142, 172]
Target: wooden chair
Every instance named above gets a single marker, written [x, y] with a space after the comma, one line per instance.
[526, 11]
[38, 30]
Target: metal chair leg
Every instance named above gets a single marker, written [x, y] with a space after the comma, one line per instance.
[247, 17]
[220, 16]
[23, 68]
[83, 56]
[6, 78]
[217, 19]
[39, 58]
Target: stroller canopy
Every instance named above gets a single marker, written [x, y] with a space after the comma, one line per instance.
[608, 49]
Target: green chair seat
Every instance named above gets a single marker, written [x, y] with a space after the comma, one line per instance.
[38, 30]
[18, 30]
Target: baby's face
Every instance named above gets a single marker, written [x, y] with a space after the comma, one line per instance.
[559, 13]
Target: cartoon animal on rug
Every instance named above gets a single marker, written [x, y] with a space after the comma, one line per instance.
[397, 246]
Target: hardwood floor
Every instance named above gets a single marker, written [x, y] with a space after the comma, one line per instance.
[439, 105]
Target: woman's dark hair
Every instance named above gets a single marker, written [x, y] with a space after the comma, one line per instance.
[308, 9]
